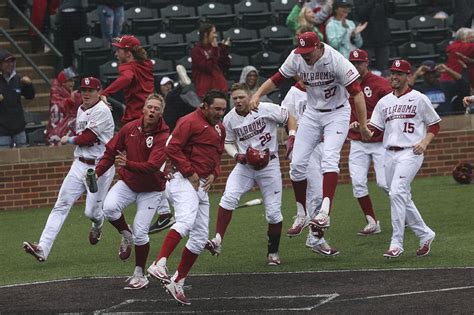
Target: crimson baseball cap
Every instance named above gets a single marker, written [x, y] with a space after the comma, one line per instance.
[90, 83]
[359, 55]
[307, 42]
[126, 42]
[401, 65]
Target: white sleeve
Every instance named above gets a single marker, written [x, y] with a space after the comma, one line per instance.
[275, 112]
[288, 68]
[100, 121]
[430, 116]
[377, 119]
[289, 102]
[346, 73]
[229, 132]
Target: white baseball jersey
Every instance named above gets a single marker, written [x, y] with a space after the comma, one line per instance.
[99, 120]
[404, 118]
[257, 129]
[295, 102]
[325, 80]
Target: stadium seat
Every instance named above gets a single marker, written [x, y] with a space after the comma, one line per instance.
[277, 38]
[231, 2]
[163, 68]
[108, 72]
[440, 48]
[146, 27]
[244, 41]
[253, 14]
[192, 38]
[406, 9]
[33, 121]
[186, 62]
[168, 45]
[237, 63]
[217, 14]
[398, 31]
[267, 62]
[416, 52]
[93, 24]
[192, 3]
[180, 19]
[281, 9]
[90, 52]
[139, 13]
[156, 4]
[37, 137]
[428, 29]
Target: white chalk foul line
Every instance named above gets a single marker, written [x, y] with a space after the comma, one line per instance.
[404, 293]
[326, 298]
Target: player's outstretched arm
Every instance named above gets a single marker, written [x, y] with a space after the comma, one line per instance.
[264, 89]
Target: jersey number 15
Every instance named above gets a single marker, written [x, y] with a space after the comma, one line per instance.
[408, 127]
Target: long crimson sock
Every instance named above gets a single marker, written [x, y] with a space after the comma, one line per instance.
[366, 206]
[223, 219]
[120, 224]
[141, 254]
[170, 242]
[329, 186]
[274, 234]
[187, 261]
[300, 192]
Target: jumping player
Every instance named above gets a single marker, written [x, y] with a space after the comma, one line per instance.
[409, 122]
[329, 79]
[295, 101]
[138, 148]
[94, 128]
[135, 79]
[362, 152]
[258, 130]
[195, 148]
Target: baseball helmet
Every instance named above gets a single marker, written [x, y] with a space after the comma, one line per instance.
[462, 173]
[257, 159]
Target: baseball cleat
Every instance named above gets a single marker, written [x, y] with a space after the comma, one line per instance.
[325, 250]
[273, 259]
[425, 247]
[393, 253]
[163, 222]
[370, 229]
[95, 233]
[321, 220]
[214, 247]
[298, 226]
[175, 289]
[125, 249]
[136, 282]
[35, 250]
[159, 271]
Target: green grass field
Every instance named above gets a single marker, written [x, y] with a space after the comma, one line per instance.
[447, 208]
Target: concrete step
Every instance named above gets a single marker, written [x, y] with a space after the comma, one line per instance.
[25, 45]
[4, 9]
[41, 86]
[5, 23]
[39, 104]
[40, 59]
[31, 73]
[18, 34]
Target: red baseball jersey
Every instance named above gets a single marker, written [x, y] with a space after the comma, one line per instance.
[145, 155]
[137, 82]
[374, 88]
[196, 146]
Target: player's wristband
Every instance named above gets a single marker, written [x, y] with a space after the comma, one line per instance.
[292, 133]
[71, 140]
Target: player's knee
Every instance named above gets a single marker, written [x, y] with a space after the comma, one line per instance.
[140, 238]
[298, 171]
[182, 228]
[360, 191]
[111, 212]
[274, 217]
[229, 202]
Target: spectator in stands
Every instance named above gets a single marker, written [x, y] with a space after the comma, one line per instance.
[250, 77]
[111, 16]
[303, 16]
[166, 85]
[459, 51]
[71, 24]
[12, 88]
[376, 36]
[446, 98]
[40, 17]
[135, 76]
[63, 105]
[210, 60]
[341, 32]
[463, 15]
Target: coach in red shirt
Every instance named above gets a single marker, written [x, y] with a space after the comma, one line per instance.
[139, 149]
[195, 148]
[136, 76]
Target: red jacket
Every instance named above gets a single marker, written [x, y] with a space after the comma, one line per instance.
[137, 82]
[467, 49]
[208, 66]
[145, 156]
[196, 146]
[374, 88]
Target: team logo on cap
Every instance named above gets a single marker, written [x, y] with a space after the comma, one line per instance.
[397, 63]
[302, 42]
[355, 53]
[87, 81]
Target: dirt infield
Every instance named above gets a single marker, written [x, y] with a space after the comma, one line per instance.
[365, 291]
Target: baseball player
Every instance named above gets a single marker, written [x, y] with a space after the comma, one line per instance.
[362, 152]
[257, 130]
[195, 148]
[94, 128]
[329, 79]
[136, 76]
[409, 122]
[138, 148]
[295, 101]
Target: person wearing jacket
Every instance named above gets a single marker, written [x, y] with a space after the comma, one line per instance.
[12, 88]
[210, 60]
[314, 17]
[139, 149]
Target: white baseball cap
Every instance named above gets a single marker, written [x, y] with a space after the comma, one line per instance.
[165, 80]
